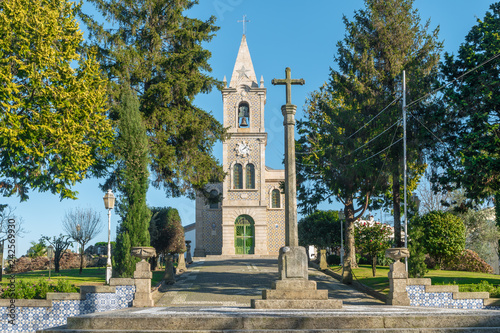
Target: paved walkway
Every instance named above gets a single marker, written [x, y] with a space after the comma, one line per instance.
[234, 282]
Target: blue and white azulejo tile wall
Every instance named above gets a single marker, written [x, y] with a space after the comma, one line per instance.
[30, 319]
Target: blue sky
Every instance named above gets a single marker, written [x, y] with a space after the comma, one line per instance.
[301, 35]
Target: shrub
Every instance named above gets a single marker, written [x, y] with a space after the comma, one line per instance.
[468, 261]
[333, 259]
[416, 262]
[26, 289]
[443, 234]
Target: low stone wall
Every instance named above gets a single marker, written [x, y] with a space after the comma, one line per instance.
[422, 293]
[33, 315]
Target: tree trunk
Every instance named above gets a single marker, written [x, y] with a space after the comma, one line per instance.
[81, 258]
[1, 259]
[374, 265]
[396, 203]
[56, 263]
[350, 257]
[497, 217]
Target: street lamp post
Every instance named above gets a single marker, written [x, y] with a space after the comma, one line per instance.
[341, 218]
[50, 255]
[109, 204]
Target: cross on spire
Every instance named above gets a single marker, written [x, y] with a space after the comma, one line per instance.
[244, 24]
[288, 81]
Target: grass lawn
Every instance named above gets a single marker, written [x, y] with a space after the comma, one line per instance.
[90, 276]
[464, 279]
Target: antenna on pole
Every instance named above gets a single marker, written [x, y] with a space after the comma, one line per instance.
[405, 166]
[244, 24]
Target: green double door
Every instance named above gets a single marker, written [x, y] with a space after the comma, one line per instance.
[244, 233]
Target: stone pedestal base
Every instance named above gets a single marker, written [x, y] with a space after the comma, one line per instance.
[169, 276]
[398, 278]
[142, 276]
[181, 264]
[294, 290]
[322, 260]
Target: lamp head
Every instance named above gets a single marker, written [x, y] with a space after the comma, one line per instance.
[109, 200]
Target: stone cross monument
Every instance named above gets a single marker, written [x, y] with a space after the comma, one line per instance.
[288, 110]
[293, 290]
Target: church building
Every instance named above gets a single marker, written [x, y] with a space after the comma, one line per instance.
[250, 217]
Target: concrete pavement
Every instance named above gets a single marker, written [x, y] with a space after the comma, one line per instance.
[233, 282]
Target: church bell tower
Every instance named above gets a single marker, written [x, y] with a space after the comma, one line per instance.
[250, 217]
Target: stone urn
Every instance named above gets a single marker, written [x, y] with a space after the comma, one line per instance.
[397, 253]
[143, 252]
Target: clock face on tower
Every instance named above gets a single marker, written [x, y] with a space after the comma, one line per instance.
[242, 149]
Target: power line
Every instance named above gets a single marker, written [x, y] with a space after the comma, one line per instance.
[352, 152]
[454, 80]
[366, 124]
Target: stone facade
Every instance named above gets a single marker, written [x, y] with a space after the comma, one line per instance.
[250, 217]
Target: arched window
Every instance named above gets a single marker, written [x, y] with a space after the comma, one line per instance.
[238, 176]
[250, 175]
[243, 115]
[214, 199]
[275, 199]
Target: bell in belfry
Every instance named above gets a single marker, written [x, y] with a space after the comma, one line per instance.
[244, 122]
[243, 115]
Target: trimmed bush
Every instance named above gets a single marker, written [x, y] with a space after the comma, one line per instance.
[26, 289]
[333, 259]
[468, 261]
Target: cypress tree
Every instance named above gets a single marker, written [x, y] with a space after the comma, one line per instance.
[132, 182]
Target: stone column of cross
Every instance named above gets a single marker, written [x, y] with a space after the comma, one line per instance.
[288, 110]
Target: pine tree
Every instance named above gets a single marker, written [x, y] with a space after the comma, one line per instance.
[132, 182]
[345, 134]
[160, 50]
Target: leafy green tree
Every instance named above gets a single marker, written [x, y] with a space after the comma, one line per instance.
[53, 125]
[167, 233]
[60, 244]
[371, 239]
[131, 179]
[158, 50]
[321, 229]
[443, 234]
[470, 121]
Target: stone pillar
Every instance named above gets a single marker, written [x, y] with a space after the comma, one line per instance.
[322, 260]
[398, 277]
[189, 260]
[181, 264]
[169, 277]
[142, 276]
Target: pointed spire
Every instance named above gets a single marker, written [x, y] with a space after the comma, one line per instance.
[243, 72]
[224, 82]
[262, 81]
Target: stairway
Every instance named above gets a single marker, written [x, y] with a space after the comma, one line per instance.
[352, 319]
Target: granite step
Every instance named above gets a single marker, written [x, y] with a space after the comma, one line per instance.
[348, 319]
[366, 330]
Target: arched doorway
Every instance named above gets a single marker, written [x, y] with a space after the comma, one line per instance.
[244, 231]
